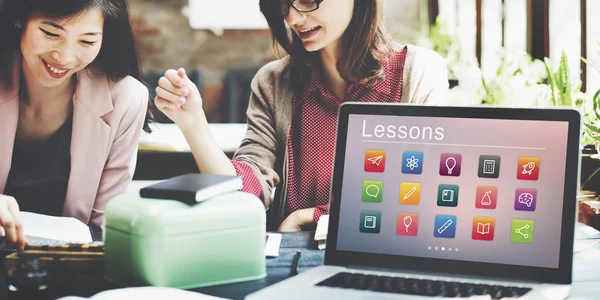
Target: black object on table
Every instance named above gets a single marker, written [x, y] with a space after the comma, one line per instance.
[295, 263]
[278, 269]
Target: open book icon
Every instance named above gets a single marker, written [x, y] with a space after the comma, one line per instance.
[483, 228]
[376, 160]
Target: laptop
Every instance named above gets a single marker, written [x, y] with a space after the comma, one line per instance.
[447, 202]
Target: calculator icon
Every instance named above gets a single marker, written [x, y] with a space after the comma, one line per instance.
[489, 166]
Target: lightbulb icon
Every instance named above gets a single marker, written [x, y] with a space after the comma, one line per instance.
[450, 164]
[407, 222]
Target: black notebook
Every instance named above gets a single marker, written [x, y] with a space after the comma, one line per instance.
[192, 188]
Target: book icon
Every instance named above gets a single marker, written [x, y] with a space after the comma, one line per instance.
[483, 228]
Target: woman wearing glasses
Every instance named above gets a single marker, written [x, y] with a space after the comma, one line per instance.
[338, 52]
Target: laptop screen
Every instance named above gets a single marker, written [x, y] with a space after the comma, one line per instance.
[467, 189]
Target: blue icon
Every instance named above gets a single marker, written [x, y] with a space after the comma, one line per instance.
[412, 162]
[445, 226]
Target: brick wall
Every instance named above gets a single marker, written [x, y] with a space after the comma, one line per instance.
[166, 40]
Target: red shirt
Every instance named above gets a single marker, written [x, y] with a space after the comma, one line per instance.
[311, 144]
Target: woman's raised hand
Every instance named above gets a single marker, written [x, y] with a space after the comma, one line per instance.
[178, 98]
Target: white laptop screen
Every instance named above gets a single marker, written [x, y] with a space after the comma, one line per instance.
[468, 189]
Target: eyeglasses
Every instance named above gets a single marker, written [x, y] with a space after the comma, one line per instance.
[299, 5]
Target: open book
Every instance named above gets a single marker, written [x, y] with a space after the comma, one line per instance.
[44, 229]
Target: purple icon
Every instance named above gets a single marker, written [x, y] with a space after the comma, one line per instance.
[450, 164]
[525, 199]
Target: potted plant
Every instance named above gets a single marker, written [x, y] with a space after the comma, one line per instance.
[590, 161]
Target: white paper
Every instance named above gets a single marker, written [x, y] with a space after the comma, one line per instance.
[168, 137]
[272, 245]
[146, 293]
[50, 228]
[322, 226]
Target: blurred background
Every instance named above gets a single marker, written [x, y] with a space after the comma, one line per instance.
[515, 53]
[489, 46]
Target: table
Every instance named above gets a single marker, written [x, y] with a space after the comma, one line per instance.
[277, 269]
[165, 153]
[586, 269]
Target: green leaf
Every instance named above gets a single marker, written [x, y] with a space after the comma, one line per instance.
[592, 127]
[596, 104]
[551, 82]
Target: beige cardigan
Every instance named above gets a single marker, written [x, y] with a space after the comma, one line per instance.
[269, 116]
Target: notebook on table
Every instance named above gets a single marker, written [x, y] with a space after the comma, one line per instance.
[192, 188]
[445, 202]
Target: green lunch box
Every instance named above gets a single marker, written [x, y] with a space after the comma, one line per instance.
[172, 244]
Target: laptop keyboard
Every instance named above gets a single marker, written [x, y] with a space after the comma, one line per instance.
[421, 287]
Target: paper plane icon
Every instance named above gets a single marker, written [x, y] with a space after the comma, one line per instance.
[376, 160]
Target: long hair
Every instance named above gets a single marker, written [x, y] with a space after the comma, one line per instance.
[118, 54]
[365, 44]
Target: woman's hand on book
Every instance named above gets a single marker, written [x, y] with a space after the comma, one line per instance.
[179, 99]
[10, 220]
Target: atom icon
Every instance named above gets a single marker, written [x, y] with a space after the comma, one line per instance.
[412, 163]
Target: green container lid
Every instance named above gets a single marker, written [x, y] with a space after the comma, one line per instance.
[156, 217]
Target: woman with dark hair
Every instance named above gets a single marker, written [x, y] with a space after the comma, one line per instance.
[337, 51]
[71, 109]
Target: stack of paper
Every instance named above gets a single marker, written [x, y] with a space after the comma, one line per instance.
[321, 233]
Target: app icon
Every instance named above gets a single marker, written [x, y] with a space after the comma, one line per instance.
[450, 164]
[370, 221]
[483, 228]
[412, 162]
[372, 191]
[375, 161]
[410, 193]
[489, 166]
[525, 199]
[522, 231]
[445, 226]
[486, 197]
[528, 168]
[447, 195]
[408, 224]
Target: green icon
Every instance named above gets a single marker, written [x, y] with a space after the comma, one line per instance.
[447, 195]
[370, 221]
[522, 231]
[372, 191]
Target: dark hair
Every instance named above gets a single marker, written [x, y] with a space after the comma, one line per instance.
[365, 44]
[118, 55]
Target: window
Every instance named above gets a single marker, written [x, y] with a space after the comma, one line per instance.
[593, 45]
[565, 34]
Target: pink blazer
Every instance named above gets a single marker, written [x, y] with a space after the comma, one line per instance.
[107, 123]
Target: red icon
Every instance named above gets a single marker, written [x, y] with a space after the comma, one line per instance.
[408, 224]
[375, 161]
[528, 168]
[486, 197]
[483, 228]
